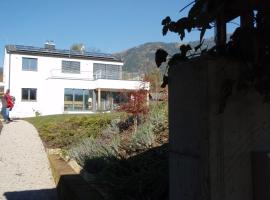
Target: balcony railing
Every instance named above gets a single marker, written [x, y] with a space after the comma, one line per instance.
[89, 75]
[83, 75]
[132, 76]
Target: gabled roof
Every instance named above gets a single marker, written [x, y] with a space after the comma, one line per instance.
[30, 50]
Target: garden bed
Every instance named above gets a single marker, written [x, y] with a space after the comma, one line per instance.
[62, 131]
[124, 162]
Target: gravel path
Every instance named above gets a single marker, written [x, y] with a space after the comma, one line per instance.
[24, 168]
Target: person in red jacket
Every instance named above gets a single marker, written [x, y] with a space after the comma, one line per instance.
[9, 103]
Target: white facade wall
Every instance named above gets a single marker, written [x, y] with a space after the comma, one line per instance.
[50, 83]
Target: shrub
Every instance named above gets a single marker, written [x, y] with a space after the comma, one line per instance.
[61, 131]
[93, 154]
[158, 113]
[141, 177]
[119, 172]
[158, 116]
[144, 136]
[37, 113]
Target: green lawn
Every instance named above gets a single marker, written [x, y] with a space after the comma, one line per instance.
[61, 131]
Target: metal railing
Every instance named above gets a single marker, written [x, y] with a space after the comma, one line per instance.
[89, 75]
[82, 75]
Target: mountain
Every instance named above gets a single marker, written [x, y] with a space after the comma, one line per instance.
[142, 58]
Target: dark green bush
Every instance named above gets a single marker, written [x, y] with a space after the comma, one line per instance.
[61, 131]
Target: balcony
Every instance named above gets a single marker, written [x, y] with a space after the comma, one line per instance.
[90, 76]
[83, 75]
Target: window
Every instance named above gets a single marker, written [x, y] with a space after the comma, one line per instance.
[29, 64]
[29, 94]
[70, 67]
[107, 71]
[77, 99]
[99, 71]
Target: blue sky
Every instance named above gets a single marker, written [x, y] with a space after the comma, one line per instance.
[110, 26]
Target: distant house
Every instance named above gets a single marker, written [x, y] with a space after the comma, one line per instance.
[51, 81]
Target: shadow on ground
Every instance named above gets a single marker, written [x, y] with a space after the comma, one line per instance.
[140, 177]
[144, 176]
[69, 187]
[45, 194]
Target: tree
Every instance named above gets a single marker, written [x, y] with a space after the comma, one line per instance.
[136, 105]
[154, 77]
[77, 47]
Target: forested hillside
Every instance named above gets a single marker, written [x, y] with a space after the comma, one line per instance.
[142, 58]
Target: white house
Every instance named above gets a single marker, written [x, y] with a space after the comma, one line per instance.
[51, 81]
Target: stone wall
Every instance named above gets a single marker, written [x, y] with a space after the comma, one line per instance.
[70, 185]
[210, 153]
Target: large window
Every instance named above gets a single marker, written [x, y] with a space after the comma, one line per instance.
[29, 94]
[77, 99]
[106, 71]
[29, 64]
[70, 67]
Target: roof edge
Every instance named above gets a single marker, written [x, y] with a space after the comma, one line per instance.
[30, 50]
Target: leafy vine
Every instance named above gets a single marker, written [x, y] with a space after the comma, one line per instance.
[248, 44]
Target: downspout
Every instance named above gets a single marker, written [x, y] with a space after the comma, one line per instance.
[9, 61]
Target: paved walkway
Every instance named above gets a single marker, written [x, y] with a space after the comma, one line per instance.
[24, 169]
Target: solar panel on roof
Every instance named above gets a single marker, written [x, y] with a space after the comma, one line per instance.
[59, 51]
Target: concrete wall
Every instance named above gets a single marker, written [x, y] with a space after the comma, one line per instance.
[210, 153]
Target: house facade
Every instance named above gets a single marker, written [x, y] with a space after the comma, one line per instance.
[47, 81]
